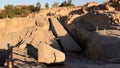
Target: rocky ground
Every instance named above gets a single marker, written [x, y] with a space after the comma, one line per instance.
[96, 28]
[30, 41]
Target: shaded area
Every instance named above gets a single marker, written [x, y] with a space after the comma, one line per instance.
[32, 51]
[96, 31]
[3, 56]
[53, 31]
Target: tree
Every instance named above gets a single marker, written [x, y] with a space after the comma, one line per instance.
[25, 11]
[3, 14]
[69, 2]
[55, 4]
[46, 5]
[38, 6]
[32, 8]
[17, 10]
[66, 3]
[63, 4]
[10, 11]
[20, 10]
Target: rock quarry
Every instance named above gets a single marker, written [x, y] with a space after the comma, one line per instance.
[85, 36]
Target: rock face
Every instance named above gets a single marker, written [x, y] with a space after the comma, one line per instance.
[66, 40]
[19, 32]
[90, 4]
[25, 30]
[97, 29]
[47, 54]
[102, 47]
[98, 34]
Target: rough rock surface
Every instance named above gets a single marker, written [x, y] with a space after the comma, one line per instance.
[97, 30]
[23, 32]
[68, 43]
[95, 27]
[47, 54]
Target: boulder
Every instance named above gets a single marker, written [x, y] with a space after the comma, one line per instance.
[110, 8]
[90, 4]
[48, 54]
[103, 47]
